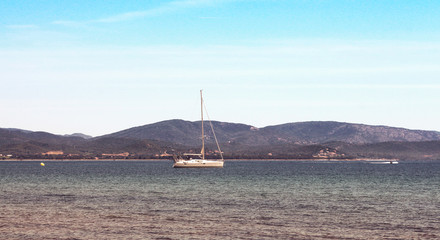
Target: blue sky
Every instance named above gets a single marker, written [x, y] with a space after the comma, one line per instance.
[101, 66]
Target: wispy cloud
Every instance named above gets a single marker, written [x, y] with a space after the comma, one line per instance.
[132, 15]
[69, 23]
[366, 86]
[169, 7]
[24, 26]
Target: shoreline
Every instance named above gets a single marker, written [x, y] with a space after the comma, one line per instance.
[226, 160]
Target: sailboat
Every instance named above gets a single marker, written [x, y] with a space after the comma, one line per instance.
[191, 160]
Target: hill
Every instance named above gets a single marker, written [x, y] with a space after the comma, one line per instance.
[427, 150]
[81, 135]
[305, 133]
[302, 140]
[183, 132]
[10, 135]
[28, 144]
[323, 132]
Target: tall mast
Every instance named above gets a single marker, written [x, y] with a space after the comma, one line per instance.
[203, 133]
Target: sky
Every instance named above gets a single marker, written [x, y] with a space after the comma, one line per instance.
[98, 67]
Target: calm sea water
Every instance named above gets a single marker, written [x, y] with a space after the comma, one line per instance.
[244, 200]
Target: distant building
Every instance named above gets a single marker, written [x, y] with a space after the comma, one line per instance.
[53, 153]
[328, 153]
[5, 156]
[124, 154]
[165, 154]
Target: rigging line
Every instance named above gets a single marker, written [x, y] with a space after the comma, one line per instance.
[212, 128]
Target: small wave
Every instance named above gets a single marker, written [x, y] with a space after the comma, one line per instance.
[116, 217]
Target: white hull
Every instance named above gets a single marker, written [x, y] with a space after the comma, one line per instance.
[198, 164]
[385, 162]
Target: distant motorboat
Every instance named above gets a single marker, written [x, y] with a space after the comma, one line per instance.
[384, 162]
[189, 160]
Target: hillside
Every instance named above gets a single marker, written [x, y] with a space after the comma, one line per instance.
[292, 140]
[305, 133]
[184, 132]
[323, 132]
[429, 150]
[9, 136]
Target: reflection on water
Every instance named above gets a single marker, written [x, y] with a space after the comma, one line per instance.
[244, 200]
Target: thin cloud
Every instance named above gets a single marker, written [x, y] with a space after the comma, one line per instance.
[69, 23]
[210, 17]
[369, 86]
[24, 26]
[132, 15]
[157, 11]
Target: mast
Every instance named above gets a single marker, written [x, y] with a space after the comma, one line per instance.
[203, 133]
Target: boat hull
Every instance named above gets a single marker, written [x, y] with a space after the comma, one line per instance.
[198, 164]
[385, 162]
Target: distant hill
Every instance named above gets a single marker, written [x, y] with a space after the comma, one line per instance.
[323, 132]
[12, 136]
[81, 135]
[429, 150]
[305, 133]
[292, 140]
[186, 132]
[17, 141]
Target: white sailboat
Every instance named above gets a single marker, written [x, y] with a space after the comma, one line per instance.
[189, 160]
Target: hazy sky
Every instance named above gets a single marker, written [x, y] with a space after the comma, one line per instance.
[97, 67]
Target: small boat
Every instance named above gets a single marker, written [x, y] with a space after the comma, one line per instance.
[190, 160]
[196, 163]
[384, 162]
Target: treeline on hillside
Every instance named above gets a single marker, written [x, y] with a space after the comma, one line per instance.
[141, 149]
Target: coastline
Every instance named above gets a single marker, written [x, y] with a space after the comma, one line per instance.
[235, 160]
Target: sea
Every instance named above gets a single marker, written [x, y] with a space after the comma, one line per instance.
[243, 200]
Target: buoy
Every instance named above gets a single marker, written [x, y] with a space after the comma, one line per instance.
[42, 164]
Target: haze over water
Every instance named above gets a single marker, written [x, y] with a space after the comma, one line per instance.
[244, 200]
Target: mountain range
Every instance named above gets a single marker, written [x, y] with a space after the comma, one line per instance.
[291, 140]
[305, 133]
